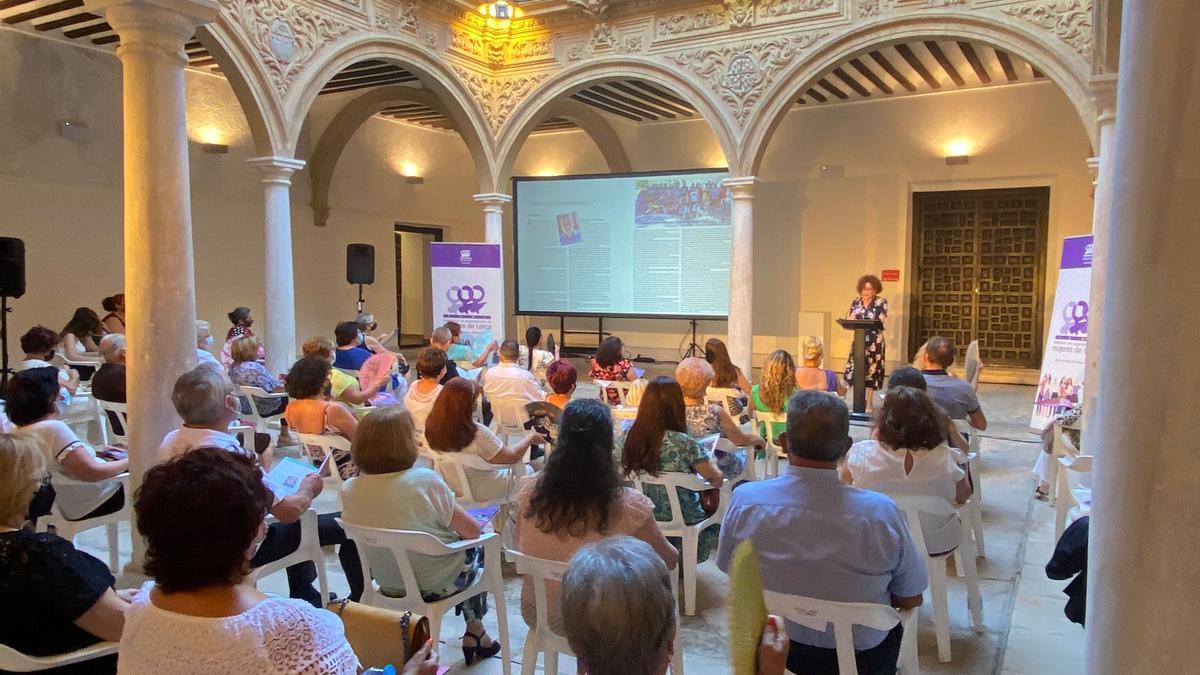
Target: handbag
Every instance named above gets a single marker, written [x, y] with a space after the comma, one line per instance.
[381, 636]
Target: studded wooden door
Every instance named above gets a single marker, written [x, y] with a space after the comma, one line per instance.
[979, 259]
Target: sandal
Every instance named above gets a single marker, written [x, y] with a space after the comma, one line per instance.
[473, 654]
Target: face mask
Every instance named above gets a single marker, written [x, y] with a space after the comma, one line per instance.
[360, 337]
[208, 341]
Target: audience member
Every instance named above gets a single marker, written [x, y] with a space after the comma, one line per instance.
[204, 342]
[907, 376]
[114, 321]
[908, 456]
[58, 599]
[810, 375]
[619, 612]
[777, 386]
[443, 340]
[508, 380]
[541, 358]
[658, 442]
[108, 384]
[726, 375]
[85, 485]
[954, 396]
[461, 352]
[431, 365]
[703, 418]
[1071, 422]
[350, 353]
[242, 321]
[561, 376]
[38, 344]
[81, 335]
[868, 555]
[610, 365]
[451, 427]
[367, 325]
[342, 387]
[248, 371]
[579, 499]
[202, 516]
[207, 403]
[392, 493]
[1069, 560]
[308, 411]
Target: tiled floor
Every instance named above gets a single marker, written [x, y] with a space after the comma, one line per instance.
[1024, 628]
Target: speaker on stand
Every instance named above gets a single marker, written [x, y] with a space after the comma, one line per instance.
[360, 268]
[12, 285]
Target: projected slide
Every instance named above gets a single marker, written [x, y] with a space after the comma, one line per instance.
[624, 245]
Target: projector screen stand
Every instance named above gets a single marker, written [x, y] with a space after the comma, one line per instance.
[693, 349]
[576, 349]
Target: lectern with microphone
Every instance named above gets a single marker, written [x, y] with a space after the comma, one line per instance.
[860, 328]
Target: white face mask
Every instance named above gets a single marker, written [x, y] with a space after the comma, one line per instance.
[208, 341]
[360, 337]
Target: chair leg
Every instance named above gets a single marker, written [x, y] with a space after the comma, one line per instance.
[529, 656]
[677, 659]
[941, 607]
[322, 582]
[114, 554]
[977, 526]
[551, 662]
[974, 598]
[435, 626]
[691, 544]
[501, 614]
[908, 664]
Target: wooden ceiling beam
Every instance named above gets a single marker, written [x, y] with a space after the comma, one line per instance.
[660, 102]
[827, 86]
[938, 55]
[635, 101]
[384, 69]
[1006, 64]
[594, 95]
[44, 10]
[912, 60]
[356, 86]
[11, 4]
[851, 82]
[968, 51]
[65, 21]
[870, 75]
[815, 95]
[606, 108]
[891, 70]
[662, 94]
[89, 30]
[1037, 74]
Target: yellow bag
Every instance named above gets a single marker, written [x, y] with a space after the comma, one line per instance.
[381, 636]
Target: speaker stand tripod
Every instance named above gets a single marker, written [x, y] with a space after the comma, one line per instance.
[693, 349]
[4, 371]
[360, 302]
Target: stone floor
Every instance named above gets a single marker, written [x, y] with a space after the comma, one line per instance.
[1024, 628]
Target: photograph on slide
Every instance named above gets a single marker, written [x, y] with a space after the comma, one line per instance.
[675, 202]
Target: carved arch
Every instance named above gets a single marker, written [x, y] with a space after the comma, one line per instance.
[1066, 67]
[243, 70]
[435, 75]
[530, 111]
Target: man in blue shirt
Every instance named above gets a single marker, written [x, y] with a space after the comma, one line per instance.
[955, 397]
[350, 354]
[818, 538]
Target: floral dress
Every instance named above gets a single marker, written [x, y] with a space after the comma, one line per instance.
[617, 372]
[875, 347]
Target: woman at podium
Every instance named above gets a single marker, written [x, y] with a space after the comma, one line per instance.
[868, 305]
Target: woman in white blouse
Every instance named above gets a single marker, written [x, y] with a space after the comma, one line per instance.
[451, 427]
[908, 455]
[431, 367]
[202, 516]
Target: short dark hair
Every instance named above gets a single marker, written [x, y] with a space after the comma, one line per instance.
[454, 328]
[818, 426]
[869, 279]
[561, 376]
[32, 395]
[510, 350]
[307, 377]
[907, 376]
[200, 512]
[940, 350]
[611, 351]
[909, 420]
[238, 315]
[345, 333]
[39, 340]
[431, 361]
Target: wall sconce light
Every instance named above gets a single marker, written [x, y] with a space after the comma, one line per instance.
[956, 160]
[215, 148]
[500, 10]
[77, 132]
[957, 151]
[414, 180]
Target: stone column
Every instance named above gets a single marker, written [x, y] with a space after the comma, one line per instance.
[1142, 593]
[280, 306]
[741, 273]
[493, 215]
[1104, 89]
[159, 278]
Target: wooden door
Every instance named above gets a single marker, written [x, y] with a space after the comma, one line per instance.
[979, 259]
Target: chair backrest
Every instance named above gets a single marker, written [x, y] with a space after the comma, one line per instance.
[766, 423]
[455, 464]
[913, 506]
[508, 414]
[670, 480]
[12, 660]
[721, 396]
[251, 395]
[469, 372]
[318, 446]
[970, 433]
[539, 570]
[819, 614]
[972, 365]
[619, 386]
[114, 418]
[1060, 443]
[748, 471]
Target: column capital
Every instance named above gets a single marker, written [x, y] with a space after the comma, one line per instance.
[493, 198]
[1104, 93]
[157, 24]
[276, 169]
[1093, 165]
[742, 186]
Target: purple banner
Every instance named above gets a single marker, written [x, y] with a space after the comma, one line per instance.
[1077, 252]
[464, 255]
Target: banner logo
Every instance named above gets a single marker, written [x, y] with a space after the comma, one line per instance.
[1075, 317]
[466, 299]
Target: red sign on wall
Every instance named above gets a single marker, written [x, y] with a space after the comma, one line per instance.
[890, 275]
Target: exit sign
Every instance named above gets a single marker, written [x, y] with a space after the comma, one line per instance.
[890, 275]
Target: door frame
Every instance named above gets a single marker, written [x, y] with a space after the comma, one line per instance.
[438, 232]
[909, 283]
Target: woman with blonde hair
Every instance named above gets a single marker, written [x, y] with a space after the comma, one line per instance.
[778, 385]
[391, 492]
[248, 371]
[810, 375]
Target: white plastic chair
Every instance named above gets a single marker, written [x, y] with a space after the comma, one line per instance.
[619, 386]
[820, 614]
[690, 534]
[453, 466]
[403, 542]
[69, 529]
[309, 549]
[262, 422]
[509, 417]
[325, 445]
[913, 506]
[1074, 500]
[763, 423]
[14, 661]
[721, 396]
[974, 508]
[749, 473]
[114, 422]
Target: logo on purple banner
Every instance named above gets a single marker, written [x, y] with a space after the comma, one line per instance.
[1076, 253]
[466, 299]
[1075, 315]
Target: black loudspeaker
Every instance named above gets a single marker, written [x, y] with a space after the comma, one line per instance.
[360, 264]
[12, 267]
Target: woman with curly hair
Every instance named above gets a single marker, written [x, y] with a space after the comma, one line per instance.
[777, 386]
[868, 306]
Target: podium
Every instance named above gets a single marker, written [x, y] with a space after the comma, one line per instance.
[859, 356]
